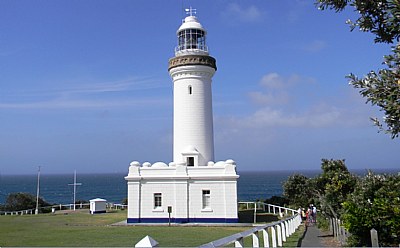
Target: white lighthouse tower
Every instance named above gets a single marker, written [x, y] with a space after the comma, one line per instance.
[191, 70]
[191, 188]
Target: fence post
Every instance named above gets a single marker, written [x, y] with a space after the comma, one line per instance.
[291, 226]
[265, 238]
[273, 236]
[336, 229]
[256, 241]
[239, 242]
[279, 232]
[374, 238]
[283, 229]
[255, 213]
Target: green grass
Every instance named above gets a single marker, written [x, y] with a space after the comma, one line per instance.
[294, 239]
[83, 229]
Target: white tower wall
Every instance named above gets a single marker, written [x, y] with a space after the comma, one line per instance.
[193, 118]
[192, 188]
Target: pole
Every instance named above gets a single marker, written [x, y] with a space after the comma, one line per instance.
[75, 184]
[255, 212]
[74, 190]
[37, 192]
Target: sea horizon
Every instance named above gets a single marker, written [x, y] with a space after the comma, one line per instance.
[56, 188]
[306, 171]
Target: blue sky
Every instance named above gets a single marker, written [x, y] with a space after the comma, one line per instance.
[84, 85]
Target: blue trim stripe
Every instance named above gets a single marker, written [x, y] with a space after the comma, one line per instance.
[182, 220]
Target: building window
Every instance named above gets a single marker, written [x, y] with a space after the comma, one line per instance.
[190, 89]
[192, 39]
[206, 199]
[190, 161]
[157, 200]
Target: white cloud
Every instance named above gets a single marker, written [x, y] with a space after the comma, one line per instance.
[84, 103]
[268, 117]
[290, 103]
[84, 95]
[236, 12]
[261, 98]
[272, 80]
[279, 90]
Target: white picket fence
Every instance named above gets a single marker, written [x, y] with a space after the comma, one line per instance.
[273, 234]
[63, 207]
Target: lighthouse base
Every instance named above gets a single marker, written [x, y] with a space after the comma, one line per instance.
[160, 193]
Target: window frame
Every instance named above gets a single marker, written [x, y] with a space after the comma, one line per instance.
[157, 200]
[206, 199]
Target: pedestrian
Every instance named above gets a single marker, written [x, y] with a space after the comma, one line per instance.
[314, 212]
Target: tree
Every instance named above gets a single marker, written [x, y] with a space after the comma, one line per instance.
[22, 201]
[375, 203]
[382, 88]
[333, 186]
[298, 191]
[327, 190]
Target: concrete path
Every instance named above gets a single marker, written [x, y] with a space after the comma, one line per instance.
[312, 237]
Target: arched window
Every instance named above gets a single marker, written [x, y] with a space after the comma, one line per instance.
[190, 89]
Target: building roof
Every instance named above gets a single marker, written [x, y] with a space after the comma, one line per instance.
[191, 22]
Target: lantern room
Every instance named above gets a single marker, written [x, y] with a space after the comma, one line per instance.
[191, 37]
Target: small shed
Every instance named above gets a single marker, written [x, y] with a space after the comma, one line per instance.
[98, 206]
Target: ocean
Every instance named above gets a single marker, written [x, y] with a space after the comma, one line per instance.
[113, 187]
[54, 189]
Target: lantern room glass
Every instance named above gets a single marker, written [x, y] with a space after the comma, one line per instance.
[192, 39]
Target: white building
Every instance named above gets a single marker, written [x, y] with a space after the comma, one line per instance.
[98, 206]
[192, 188]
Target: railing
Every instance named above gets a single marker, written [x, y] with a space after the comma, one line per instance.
[269, 208]
[273, 234]
[20, 212]
[339, 232]
[59, 207]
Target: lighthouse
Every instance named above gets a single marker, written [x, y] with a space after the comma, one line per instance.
[193, 187]
[191, 70]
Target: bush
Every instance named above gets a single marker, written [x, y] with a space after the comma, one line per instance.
[22, 201]
[375, 203]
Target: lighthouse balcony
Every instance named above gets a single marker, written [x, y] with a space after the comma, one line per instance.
[191, 50]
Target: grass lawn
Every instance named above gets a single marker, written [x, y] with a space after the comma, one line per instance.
[83, 229]
[295, 238]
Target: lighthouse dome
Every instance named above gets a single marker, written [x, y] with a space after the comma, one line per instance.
[191, 37]
[191, 22]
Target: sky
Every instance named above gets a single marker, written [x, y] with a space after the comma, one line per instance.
[84, 85]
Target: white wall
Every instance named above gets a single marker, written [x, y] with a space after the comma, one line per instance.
[183, 190]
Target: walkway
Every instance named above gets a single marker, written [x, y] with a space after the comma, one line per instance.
[313, 237]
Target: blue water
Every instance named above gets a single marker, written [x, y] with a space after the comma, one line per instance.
[112, 187]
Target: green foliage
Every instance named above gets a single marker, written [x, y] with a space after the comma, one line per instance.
[333, 186]
[22, 201]
[322, 223]
[297, 188]
[362, 203]
[375, 203]
[379, 17]
[382, 88]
